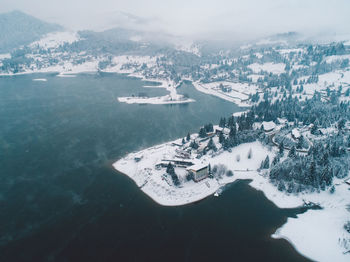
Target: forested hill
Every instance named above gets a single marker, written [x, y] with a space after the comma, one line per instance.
[17, 29]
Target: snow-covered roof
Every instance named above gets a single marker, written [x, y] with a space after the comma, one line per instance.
[282, 120]
[224, 130]
[197, 167]
[268, 125]
[295, 133]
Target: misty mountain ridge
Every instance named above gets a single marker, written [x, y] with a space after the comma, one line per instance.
[126, 37]
[18, 29]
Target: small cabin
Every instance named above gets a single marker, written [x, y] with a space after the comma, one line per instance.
[198, 171]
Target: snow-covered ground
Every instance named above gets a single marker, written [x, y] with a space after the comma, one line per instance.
[255, 77]
[127, 64]
[188, 46]
[334, 58]
[268, 67]
[54, 40]
[291, 50]
[158, 100]
[238, 93]
[64, 68]
[144, 172]
[317, 234]
[332, 80]
[320, 234]
[131, 65]
[4, 56]
[172, 98]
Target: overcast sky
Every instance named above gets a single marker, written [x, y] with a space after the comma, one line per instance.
[243, 18]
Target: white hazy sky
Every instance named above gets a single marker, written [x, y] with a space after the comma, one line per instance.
[245, 18]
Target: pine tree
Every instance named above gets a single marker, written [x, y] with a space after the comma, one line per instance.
[188, 137]
[226, 144]
[312, 170]
[183, 141]
[211, 145]
[281, 148]
[325, 159]
[221, 138]
[275, 160]
[170, 169]
[194, 145]
[202, 132]
[250, 153]
[233, 132]
[292, 152]
[231, 122]
[209, 128]
[347, 92]
[233, 136]
[341, 124]
[266, 163]
[300, 142]
[222, 122]
[314, 129]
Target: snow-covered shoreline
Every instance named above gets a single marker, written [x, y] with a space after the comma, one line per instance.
[235, 96]
[158, 100]
[69, 70]
[172, 98]
[317, 234]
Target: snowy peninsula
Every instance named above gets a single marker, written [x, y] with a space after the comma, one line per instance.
[172, 175]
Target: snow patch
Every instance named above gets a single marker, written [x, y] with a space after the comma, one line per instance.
[54, 40]
[268, 67]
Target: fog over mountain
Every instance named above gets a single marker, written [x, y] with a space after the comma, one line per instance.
[223, 19]
[17, 28]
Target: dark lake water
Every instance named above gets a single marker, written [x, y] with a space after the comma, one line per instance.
[60, 199]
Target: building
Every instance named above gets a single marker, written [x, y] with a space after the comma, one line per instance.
[295, 134]
[268, 126]
[225, 131]
[347, 181]
[198, 171]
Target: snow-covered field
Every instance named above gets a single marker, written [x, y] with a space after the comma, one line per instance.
[54, 40]
[64, 68]
[238, 93]
[4, 56]
[317, 234]
[255, 77]
[334, 58]
[127, 64]
[268, 67]
[332, 80]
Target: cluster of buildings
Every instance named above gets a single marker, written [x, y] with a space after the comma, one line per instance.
[197, 171]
